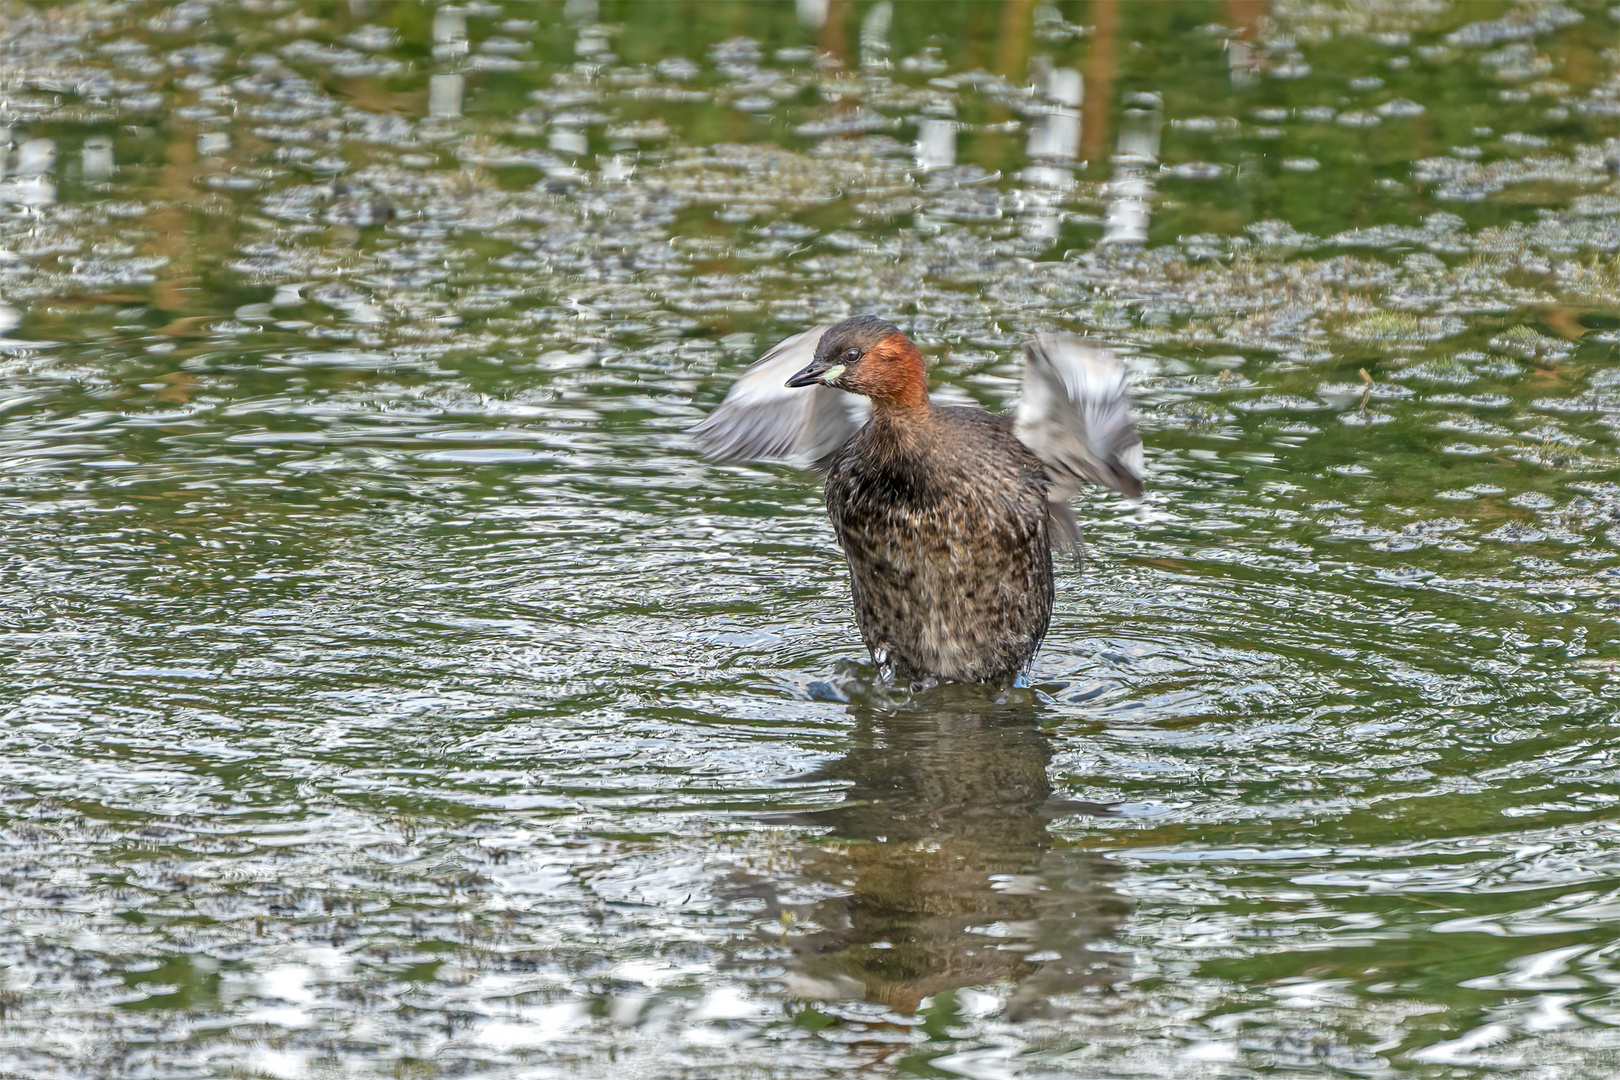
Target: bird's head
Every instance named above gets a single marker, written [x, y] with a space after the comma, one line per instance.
[866, 355]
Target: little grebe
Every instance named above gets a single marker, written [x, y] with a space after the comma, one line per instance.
[947, 515]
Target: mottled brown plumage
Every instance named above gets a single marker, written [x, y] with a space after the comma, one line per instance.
[942, 515]
[946, 515]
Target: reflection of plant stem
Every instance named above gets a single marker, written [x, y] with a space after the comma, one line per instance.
[1244, 16]
[1100, 62]
[167, 220]
[1366, 394]
[832, 40]
[1012, 48]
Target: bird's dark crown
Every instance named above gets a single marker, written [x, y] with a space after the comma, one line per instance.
[861, 332]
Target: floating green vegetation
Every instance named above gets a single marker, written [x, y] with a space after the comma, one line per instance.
[1400, 327]
[1557, 453]
[1531, 344]
[1386, 326]
[1196, 415]
[1596, 280]
[1441, 369]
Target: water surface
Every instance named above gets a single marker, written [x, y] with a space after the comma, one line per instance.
[389, 688]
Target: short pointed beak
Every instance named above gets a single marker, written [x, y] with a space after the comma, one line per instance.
[818, 371]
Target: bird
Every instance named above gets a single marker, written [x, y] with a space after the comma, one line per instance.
[946, 515]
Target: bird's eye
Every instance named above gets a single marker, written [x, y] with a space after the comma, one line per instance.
[851, 355]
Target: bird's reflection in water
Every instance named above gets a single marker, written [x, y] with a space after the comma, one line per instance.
[939, 870]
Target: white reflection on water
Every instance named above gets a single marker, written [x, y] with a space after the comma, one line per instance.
[28, 181]
[1131, 191]
[97, 158]
[936, 143]
[444, 95]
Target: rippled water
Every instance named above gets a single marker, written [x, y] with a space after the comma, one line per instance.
[389, 688]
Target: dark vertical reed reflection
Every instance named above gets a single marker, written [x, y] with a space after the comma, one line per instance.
[939, 871]
[1099, 72]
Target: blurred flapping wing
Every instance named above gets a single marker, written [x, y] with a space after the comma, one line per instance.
[762, 417]
[1075, 415]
